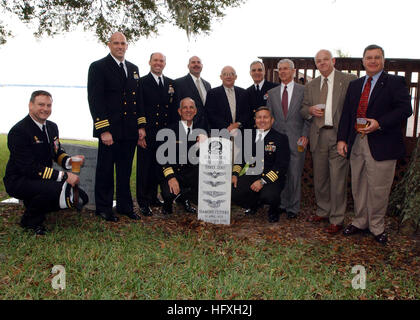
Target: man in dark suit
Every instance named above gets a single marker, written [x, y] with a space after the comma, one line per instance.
[285, 102]
[159, 99]
[34, 144]
[118, 116]
[257, 94]
[181, 175]
[195, 87]
[256, 187]
[223, 103]
[370, 134]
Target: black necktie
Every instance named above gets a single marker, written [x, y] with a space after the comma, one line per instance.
[188, 132]
[160, 83]
[258, 88]
[44, 133]
[122, 71]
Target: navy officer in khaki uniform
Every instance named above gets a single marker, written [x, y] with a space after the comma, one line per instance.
[159, 98]
[254, 188]
[117, 111]
[34, 145]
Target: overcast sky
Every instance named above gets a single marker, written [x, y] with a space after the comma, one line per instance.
[257, 28]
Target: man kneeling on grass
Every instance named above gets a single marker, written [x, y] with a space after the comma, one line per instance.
[34, 144]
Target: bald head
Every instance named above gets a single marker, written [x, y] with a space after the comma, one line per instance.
[325, 62]
[195, 66]
[228, 76]
[118, 45]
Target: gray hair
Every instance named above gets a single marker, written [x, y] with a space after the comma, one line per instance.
[288, 61]
[255, 62]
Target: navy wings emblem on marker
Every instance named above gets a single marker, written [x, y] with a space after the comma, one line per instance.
[214, 184]
[215, 174]
[214, 194]
[214, 203]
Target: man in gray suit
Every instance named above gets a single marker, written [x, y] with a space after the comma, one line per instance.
[323, 104]
[285, 102]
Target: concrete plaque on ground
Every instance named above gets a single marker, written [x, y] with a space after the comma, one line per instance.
[87, 172]
[215, 175]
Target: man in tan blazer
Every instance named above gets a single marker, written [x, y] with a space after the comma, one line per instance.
[322, 105]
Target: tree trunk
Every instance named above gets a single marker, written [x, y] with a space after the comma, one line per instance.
[405, 198]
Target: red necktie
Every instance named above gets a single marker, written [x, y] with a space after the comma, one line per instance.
[285, 101]
[364, 100]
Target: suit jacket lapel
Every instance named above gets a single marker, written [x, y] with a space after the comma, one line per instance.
[337, 88]
[378, 87]
[115, 68]
[226, 103]
[293, 105]
[192, 85]
[317, 89]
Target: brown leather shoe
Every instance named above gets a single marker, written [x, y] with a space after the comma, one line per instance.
[315, 218]
[333, 228]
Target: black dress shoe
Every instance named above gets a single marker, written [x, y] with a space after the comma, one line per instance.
[39, 230]
[107, 216]
[291, 215]
[132, 215]
[250, 212]
[188, 207]
[351, 229]
[281, 210]
[167, 209]
[382, 238]
[156, 203]
[146, 211]
[273, 215]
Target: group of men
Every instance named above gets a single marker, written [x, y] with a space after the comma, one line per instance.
[128, 111]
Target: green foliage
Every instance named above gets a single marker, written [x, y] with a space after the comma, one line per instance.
[135, 18]
[405, 198]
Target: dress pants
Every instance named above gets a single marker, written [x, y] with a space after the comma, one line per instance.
[269, 194]
[39, 197]
[121, 154]
[371, 184]
[290, 196]
[330, 178]
[149, 174]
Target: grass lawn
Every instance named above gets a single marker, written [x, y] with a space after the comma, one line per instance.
[179, 257]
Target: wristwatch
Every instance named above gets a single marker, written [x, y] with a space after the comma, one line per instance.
[263, 182]
[65, 176]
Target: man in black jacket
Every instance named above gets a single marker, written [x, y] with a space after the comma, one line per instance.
[196, 88]
[180, 173]
[256, 95]
[34, 144]
[256, 187]
[117, 111]
[159, 98]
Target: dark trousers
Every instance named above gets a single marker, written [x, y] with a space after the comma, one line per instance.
[188, 181]
[149, 174]
[243, 196]
[120, 154]
[39, 198]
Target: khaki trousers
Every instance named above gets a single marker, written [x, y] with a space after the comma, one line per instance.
[330, 178]
[371, 184]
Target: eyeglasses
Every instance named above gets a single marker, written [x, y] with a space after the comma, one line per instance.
[230, 74]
